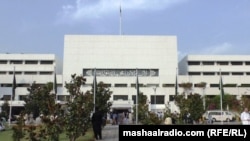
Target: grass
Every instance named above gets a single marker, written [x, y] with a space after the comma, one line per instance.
[7, 136]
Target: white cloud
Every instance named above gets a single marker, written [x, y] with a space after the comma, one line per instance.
[86, 9]
[224, 48]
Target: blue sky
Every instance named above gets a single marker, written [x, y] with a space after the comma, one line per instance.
[201, 26]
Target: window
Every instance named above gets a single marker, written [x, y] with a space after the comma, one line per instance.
[230, 85]
[214, 85]
[120, 97]
[207, 63]
[23, 85]
[30, 73]
[237, 73]
[17, 72]
[46, 62]
[134, 98]
[245, 85]
[157, 99]
[31, 62]
[152, 85]
[134, 85]
[171, 97]
[3, 62]
[2, 72]
[120, 85]
[224, 73]
[222, 63]
[247, 63]
[190, 63]
[22, 97]
[107, 85]
[194, 73]
[208, 73]
[16, 62]
[168, 85]
[6, 97]
[237, 63]
[46, 72]
[62, 97]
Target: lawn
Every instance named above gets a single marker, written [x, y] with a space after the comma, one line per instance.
[7, 136]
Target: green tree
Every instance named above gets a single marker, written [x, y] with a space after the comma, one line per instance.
[79, 108]
[144, 116]
[18, 130]
[245, 102]
[41, 100]
[102, 97]
[187, 87]
[228, 101]
[193, 105]
[37, 100]
[5, 110]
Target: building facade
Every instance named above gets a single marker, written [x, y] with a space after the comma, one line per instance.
[28, 68]
[116, 59]
[233, 69]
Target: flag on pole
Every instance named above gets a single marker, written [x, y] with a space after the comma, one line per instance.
[120, 10]
[12, 95]
[55, 82]
[14, 86]
[221, 87]
[176, 85]
[221, 94]
[137, 96]
[94, 88]
[137, 84]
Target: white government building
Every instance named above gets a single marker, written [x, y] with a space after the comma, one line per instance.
[116, 59]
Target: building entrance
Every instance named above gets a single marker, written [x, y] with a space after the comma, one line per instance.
[121, 116]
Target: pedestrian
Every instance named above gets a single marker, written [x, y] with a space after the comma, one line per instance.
[2, 127]
[210, 119]
[245, 117]
[114, 118]
[97, 119]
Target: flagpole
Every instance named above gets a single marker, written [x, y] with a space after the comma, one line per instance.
[176, 82]
[94, 87]
[137, 95]
[120, 18]
[55, 84]
[221, 96]
[11, 97]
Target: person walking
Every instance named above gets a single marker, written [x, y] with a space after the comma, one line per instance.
[245, 117]
[97, 119]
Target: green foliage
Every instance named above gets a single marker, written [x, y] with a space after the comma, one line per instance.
[144, 116]
[102, 97]
[5, 109]
[42, 101]
[245, 102]
[151, 119]
[18, 131]
[193, 104]
[228, 101]
[79, 108]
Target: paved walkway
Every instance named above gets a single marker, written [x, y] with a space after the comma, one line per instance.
[110, 133]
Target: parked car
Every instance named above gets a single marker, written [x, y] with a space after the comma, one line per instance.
[219, 115]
